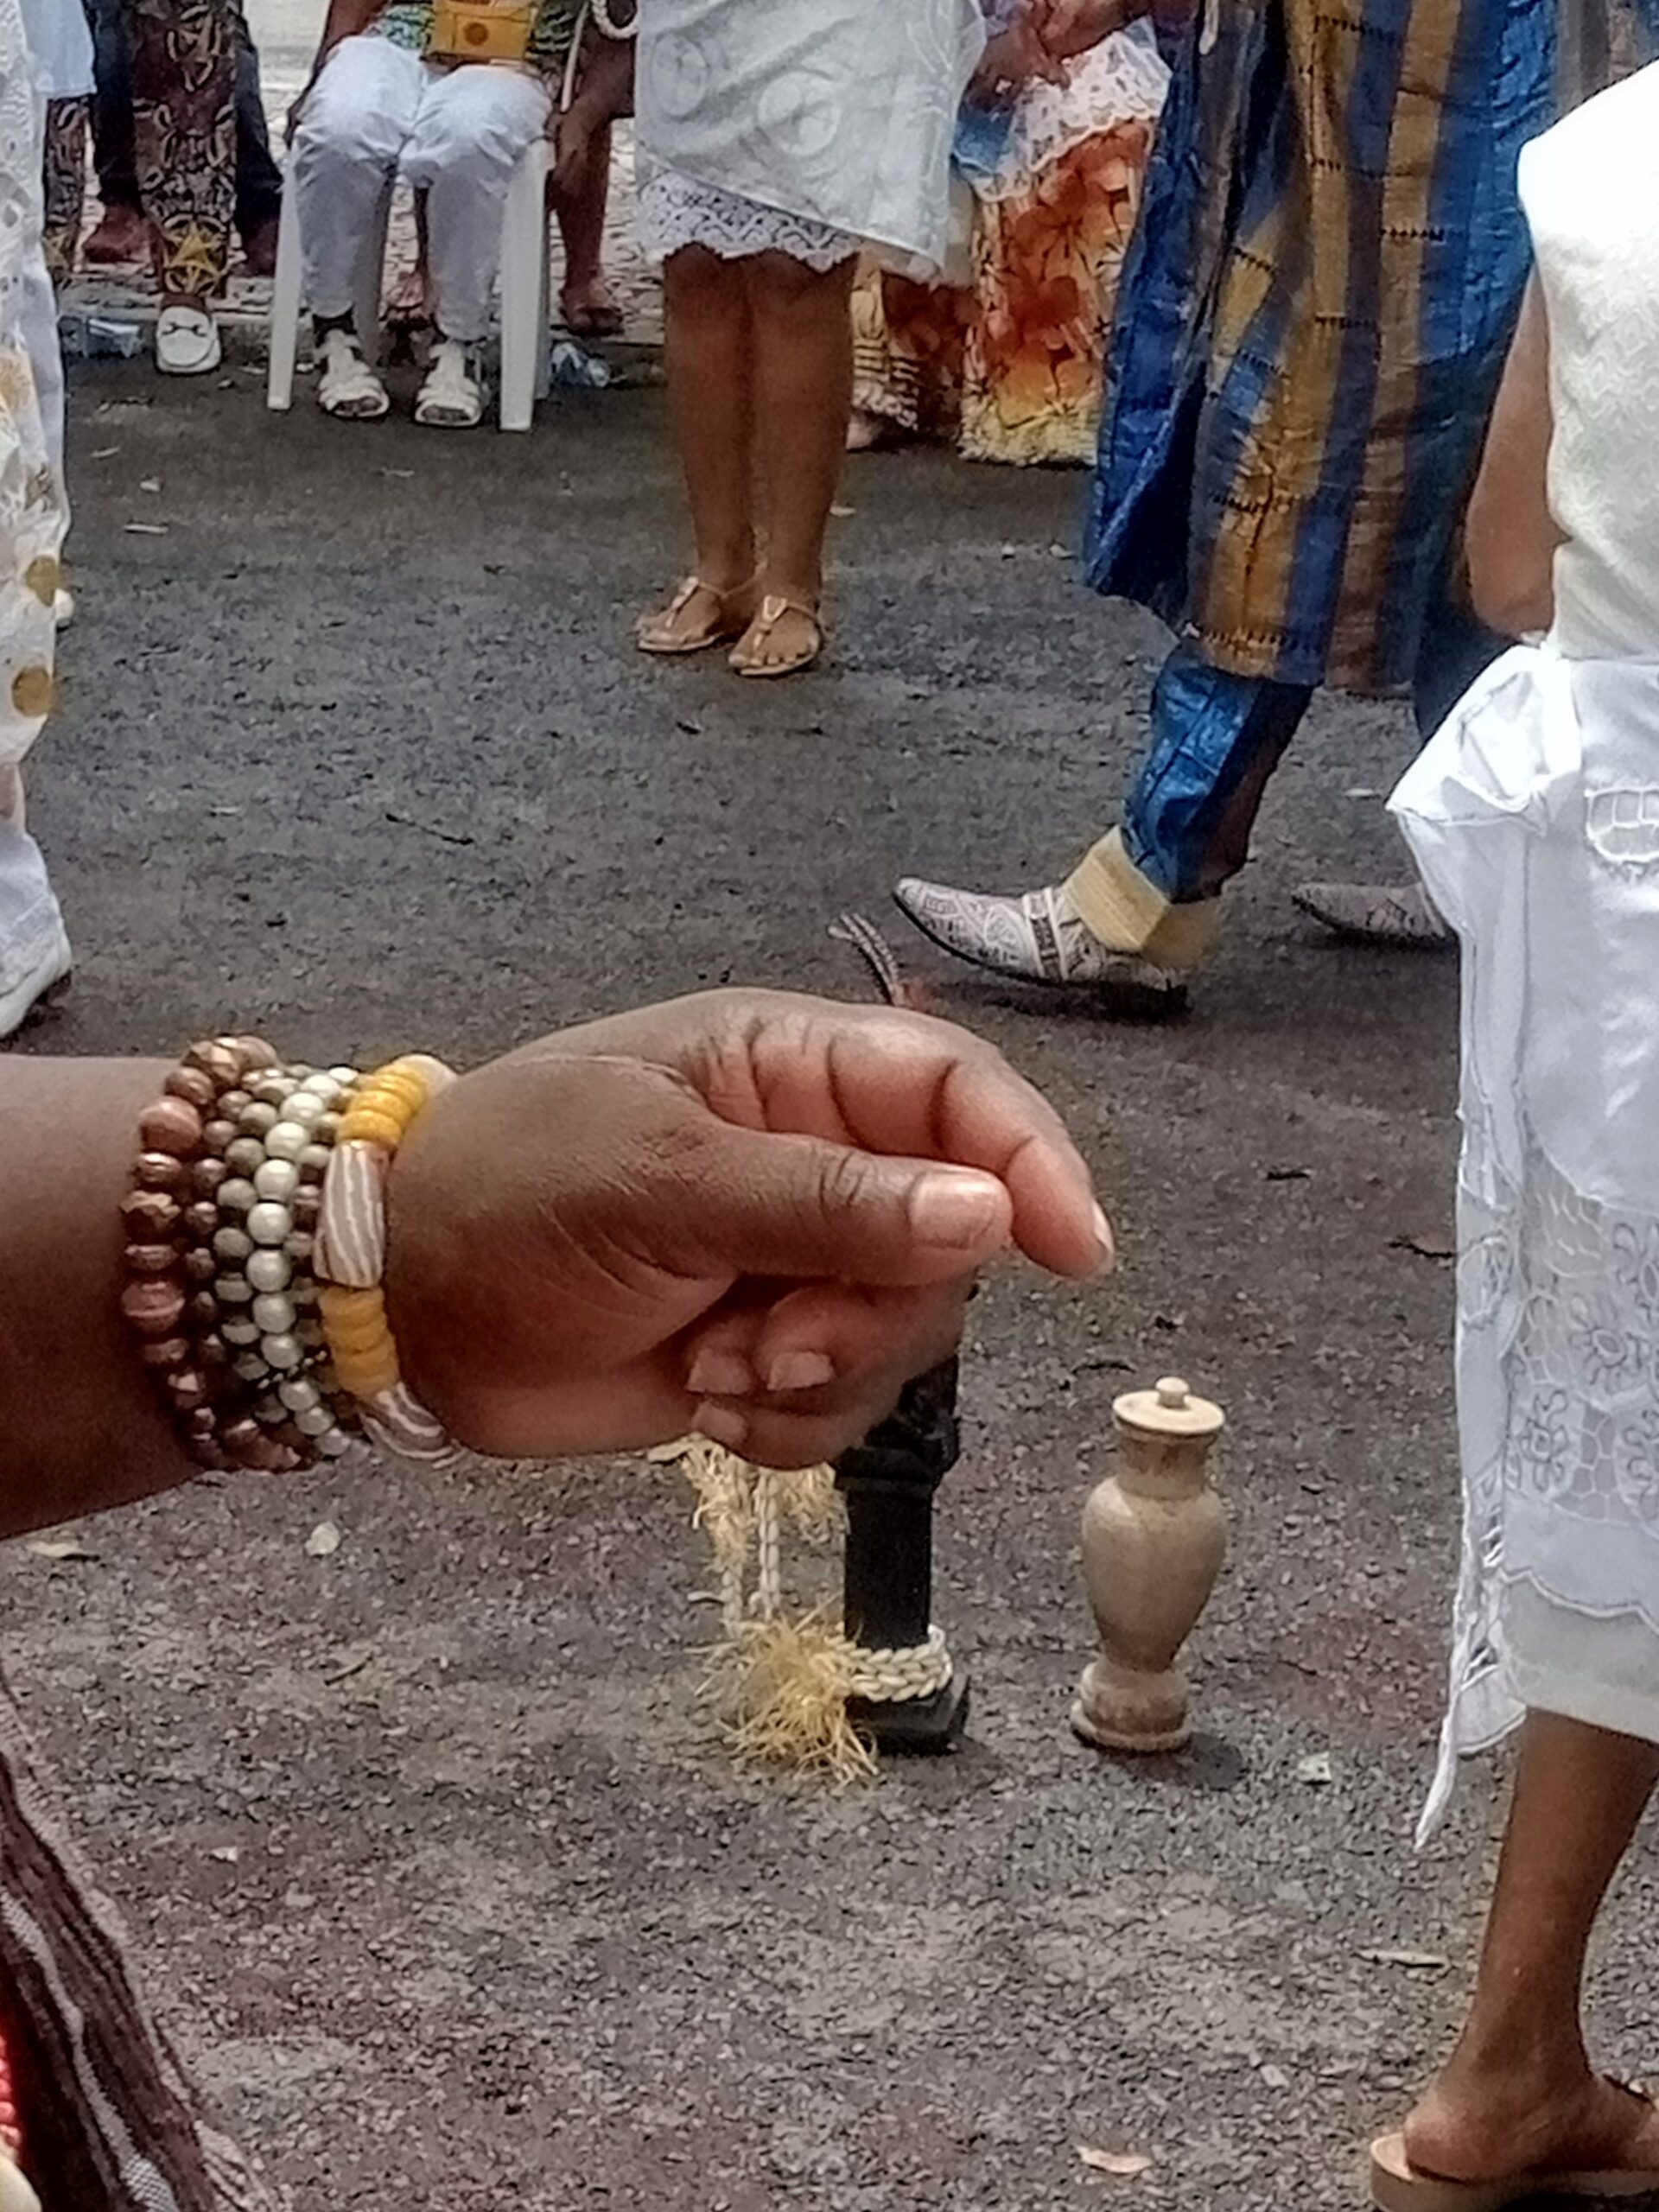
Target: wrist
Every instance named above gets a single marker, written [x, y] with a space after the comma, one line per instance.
[423, 1264]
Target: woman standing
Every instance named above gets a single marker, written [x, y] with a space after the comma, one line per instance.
[1051, 157]
[778, 139]
[1534, 815]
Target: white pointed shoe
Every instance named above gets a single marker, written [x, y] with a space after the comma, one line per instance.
[187, 342]
[47, 979]
[1401, 915]
[1039, 936]
[63, 606]
[452, 398]
[347, 386]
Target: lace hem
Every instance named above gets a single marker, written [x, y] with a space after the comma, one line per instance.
[1124, 80]
[1557, 1392]
[676, 211]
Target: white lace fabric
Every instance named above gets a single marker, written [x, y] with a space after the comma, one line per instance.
[1123, 80]
[1534, 818]
[676, 211]
[834, 116]
[32, 517]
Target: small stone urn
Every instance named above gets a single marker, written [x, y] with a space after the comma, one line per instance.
[1155, 1535]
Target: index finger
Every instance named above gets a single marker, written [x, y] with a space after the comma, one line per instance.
[890, 1081]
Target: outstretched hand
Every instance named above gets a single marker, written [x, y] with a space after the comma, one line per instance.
[746, 1213]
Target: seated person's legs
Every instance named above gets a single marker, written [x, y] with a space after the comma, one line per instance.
[475, 127]
[355, 124]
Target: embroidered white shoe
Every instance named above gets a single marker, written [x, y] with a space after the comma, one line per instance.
[187, 342]
[1379, 913]
[452, 398]
[347, 386]
[1039, 936]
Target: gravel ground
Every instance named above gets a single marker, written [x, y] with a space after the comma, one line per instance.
[443, 1879]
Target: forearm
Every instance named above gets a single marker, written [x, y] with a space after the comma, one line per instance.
[345, 19]
[80, 1427]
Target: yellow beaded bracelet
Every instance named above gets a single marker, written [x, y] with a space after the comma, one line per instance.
[350, 1255]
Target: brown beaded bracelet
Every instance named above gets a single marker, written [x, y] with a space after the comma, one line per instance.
[189, 1219]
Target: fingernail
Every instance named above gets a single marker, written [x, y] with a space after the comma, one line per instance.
[955, 1211]
[1104, 1238]
[800, 1370]
[720, 1375]
[727, 1425]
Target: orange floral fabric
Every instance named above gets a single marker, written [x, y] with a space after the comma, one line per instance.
[1011, 366]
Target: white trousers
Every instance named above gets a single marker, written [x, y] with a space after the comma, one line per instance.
[379, 111]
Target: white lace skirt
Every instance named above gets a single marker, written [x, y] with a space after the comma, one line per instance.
[1534, 814]
[676, 211]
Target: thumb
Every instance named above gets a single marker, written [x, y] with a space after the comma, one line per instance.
[753, 1203]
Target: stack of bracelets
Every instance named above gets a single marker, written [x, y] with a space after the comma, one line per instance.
[256, 1248]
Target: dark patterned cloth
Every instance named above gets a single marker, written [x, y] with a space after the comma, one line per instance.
[183, 62]
[64, 183]
[111, 2124]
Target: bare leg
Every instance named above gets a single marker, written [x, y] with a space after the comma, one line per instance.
[585, 300]
[804, 390]
[710, 403]
[1518, 2095]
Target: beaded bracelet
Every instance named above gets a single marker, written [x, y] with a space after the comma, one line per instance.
[350, 1258]
[227, 1191]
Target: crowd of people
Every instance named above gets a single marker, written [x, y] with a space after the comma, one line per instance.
[1355, 308]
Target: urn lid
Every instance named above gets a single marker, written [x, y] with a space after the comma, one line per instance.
[1169, 1409]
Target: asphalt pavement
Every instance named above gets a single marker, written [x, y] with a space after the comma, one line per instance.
[444, 1882]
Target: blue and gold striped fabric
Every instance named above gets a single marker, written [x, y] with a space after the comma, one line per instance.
[1312, 324]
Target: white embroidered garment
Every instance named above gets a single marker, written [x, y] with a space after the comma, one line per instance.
[835, 114]
[1534, 818]
[1122, 79]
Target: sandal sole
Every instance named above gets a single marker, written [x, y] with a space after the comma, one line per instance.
[1395, 2188]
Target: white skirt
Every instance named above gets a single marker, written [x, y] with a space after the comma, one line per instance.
[1534, 815]
[834, 116]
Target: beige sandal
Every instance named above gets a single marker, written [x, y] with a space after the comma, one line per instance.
[734, 611]
[1397, 2186]
[773, 610]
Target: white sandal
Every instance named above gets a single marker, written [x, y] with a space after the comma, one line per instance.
[348, 388]
[187, 342]
[452, 398]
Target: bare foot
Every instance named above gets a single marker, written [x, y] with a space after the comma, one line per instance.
[699, 615]
[784, 636]
[121, 235]
[1474, 2124]
[589, 309]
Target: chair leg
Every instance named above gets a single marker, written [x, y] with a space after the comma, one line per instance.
[285, 308]
[544, 307]
[371, 279]
[523, 240]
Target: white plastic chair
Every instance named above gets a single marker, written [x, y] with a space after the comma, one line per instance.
[523, 282]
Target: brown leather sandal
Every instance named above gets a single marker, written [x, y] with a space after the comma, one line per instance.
[734, 611]
[773, 609]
